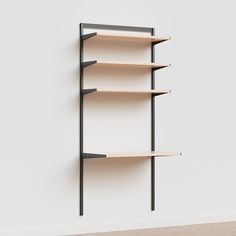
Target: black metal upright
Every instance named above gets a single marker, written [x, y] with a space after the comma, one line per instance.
[81, 124]
[82, 92]
[153, 127]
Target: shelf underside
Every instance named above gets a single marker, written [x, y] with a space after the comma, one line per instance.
[154, 66]
[153, 92]
[127, 38]
[134, 155]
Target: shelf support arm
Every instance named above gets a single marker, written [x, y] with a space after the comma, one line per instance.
[87, 91]
[87, 63]
[92, 155]
[87, 36]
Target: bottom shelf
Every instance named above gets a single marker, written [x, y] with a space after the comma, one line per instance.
[120, 155]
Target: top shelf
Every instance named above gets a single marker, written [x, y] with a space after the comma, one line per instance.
[129, 38]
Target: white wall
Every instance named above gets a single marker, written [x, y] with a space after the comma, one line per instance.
[39, 122]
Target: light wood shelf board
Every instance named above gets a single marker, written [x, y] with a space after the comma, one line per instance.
[131, 155]
[138, 92]
[145, 154]
[130, 65]
[134, 91]
[120, 37]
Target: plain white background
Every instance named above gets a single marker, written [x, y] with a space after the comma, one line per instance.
[39, 122]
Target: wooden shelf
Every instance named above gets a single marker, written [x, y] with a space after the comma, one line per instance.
[154, 66]
[128, 38]
[155, 92]
[120, 155]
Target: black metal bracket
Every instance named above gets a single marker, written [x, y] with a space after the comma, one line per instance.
[87, 91]
[117, 27]
[87, 63]
[88, 36]
[160, 41]
[92, 155]
[159, 67]
[158, 94]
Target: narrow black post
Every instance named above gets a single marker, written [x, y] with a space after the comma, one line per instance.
[153, 127]
[81, 180]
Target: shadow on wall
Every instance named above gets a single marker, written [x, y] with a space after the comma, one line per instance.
[105, 171]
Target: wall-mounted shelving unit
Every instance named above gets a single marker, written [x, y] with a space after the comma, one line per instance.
[152, 66]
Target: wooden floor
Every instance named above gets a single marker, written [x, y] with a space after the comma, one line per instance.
[213, 229]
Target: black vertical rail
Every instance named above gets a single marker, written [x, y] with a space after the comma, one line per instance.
[81, 126]
[153, 127]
